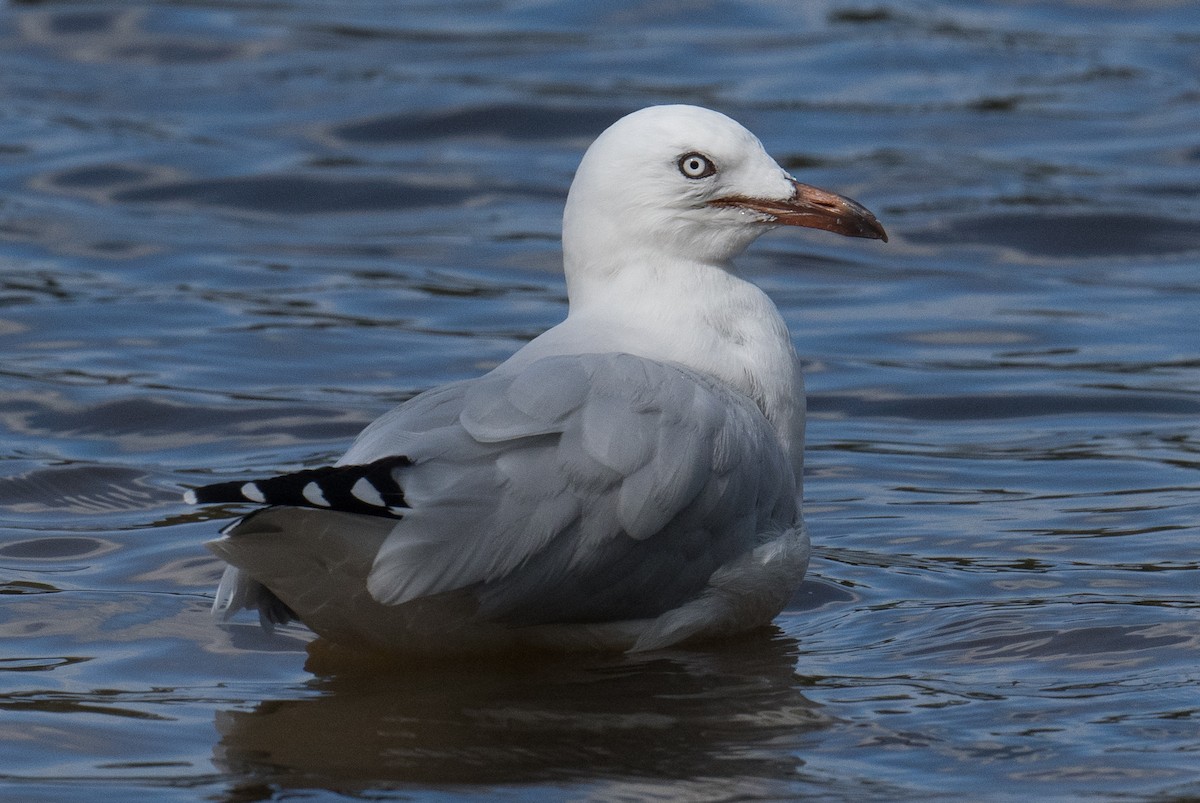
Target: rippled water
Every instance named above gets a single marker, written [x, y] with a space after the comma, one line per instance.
[233, 233]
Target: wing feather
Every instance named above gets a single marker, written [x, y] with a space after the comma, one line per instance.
[622, 480]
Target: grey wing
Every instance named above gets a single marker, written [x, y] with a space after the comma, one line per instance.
[581, 488]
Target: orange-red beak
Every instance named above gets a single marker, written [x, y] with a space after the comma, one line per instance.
[813, 208]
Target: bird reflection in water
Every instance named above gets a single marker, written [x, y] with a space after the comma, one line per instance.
[532, 718]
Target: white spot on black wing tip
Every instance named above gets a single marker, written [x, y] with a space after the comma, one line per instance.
[189, 498]
[365, 491]
[313, 493]
[253, 493]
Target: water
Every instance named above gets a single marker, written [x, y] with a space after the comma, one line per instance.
[231, 234]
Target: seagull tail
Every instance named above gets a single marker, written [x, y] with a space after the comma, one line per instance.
[370, 488]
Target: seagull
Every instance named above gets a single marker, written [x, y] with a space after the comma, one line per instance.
[628, 480]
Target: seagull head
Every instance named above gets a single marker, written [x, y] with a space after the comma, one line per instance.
[685, 183]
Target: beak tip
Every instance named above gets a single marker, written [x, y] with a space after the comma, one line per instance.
[868, 227]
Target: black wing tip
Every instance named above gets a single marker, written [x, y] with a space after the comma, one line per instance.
[237, 491]
[367, 488]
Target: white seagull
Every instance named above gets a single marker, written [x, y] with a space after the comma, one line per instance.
[628, 480]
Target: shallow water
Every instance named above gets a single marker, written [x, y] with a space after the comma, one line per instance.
[231, 234]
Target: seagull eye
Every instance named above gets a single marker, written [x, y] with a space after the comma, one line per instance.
[696, 165]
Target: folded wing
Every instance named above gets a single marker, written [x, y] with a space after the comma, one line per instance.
[588, 488]
[578, 488]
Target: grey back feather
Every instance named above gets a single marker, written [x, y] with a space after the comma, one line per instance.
[580, 488]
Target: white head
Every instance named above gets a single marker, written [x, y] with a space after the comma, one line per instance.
[682, 183]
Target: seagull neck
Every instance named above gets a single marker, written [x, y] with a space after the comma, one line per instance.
[609, 278]
[649, 292]
[699, 315]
